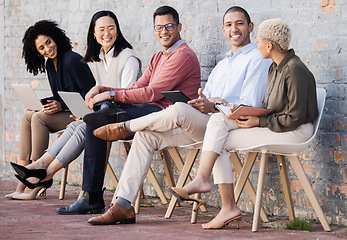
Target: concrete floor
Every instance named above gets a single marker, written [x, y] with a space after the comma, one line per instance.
[37, 220]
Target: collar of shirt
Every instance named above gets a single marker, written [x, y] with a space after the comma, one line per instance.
[244, 50]
[285, 60]
[108, 57]
[174, 47]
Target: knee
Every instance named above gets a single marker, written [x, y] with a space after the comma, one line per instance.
[179, 109]
[38, 117]
[81, 129]
[73, 126]
[27, 116]
[216, 119]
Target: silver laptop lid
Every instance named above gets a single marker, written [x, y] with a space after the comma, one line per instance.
[75, 103]
[28, 96]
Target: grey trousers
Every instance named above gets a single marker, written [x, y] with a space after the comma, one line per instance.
[70, 144]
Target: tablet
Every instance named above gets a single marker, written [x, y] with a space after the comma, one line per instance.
[243, 110]
[176, 96]
[75, 103]
[28, 96]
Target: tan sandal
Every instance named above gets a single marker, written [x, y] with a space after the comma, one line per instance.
[216, 224]
[182, 194]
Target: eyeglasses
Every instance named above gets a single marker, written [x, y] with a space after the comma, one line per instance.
[168, 27]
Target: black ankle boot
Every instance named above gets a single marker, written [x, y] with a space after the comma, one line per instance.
[89, 202]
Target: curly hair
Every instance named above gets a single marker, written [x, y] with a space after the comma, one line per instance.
[93, 47]
[33, 59]
[277, 32]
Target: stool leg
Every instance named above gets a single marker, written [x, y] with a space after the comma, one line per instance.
[260, 188]
[164, 155]
[299, 170]
[286, 187]
[182, 179]
[63, 183]
[249, 188]
[153, 180]
[138, 202]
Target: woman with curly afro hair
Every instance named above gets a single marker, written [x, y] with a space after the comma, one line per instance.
[65, 72]
[113, 64]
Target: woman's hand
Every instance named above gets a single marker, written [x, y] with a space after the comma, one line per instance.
[233, 106]
[75, 118]
[248, 121]
[52, 107]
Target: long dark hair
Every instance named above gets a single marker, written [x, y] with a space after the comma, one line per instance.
[33, 59]
[93, 47]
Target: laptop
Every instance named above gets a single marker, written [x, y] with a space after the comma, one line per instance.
[28, 96]
[75, 103]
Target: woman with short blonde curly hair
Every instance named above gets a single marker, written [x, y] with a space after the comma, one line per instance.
[277, 32]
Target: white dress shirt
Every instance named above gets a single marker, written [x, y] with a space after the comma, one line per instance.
[240, 78]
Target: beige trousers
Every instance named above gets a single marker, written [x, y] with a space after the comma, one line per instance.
[35, 129]
[223, 135]
[179, 124]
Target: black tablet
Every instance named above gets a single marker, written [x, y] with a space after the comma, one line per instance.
[176, 96]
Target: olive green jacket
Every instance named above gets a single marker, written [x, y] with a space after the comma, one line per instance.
[290, 94]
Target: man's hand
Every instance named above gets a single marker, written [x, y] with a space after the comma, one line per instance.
[218, 100]
[52, 107]
[98, 98]
[248, 121]
[95, 95]
[92, 92]
[202, 103]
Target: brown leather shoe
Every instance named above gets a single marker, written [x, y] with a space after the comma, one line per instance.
[114, 215]
[112, 132]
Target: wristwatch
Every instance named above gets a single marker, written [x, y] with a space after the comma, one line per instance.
[112, 93]
[215, 107]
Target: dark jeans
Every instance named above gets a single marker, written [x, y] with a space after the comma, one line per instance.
[95, 149]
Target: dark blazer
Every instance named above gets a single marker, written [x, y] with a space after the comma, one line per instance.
[72, 76]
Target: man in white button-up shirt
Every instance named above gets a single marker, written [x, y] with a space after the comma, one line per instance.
[240, 78]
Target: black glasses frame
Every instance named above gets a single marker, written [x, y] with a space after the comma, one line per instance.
[169, 27]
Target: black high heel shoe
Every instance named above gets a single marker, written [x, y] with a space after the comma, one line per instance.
[45, 184]
[25, 173]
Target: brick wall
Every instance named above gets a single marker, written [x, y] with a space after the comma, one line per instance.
[318, 37]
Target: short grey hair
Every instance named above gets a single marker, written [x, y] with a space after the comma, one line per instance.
[277, 32]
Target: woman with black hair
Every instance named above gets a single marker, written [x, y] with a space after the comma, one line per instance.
[113, 63]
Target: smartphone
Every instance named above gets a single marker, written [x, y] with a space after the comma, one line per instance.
[44, 101]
